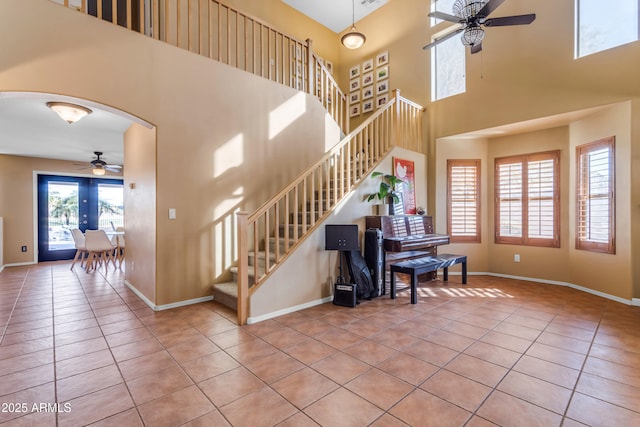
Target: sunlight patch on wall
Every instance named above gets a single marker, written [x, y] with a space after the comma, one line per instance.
[229, 205]
[331, 132]
[286, 113]
[225, 231]
[228, 156]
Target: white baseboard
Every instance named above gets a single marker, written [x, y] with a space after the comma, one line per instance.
[20, 264]
[288, 310]
[635, 301]
[140, 295]
[154, 307]
[183, 303]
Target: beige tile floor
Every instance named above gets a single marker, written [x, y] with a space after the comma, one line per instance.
[493, 352]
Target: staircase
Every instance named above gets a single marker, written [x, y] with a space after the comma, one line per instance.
[268, 236]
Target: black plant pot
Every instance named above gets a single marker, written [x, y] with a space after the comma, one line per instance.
[392, 207]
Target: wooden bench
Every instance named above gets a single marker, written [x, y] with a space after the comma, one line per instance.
[418, 266]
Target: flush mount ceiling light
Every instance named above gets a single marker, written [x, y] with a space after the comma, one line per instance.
[353, 39]
[70, 113]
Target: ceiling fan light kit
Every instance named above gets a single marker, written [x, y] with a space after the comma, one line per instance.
[468, 8]
[100, 167]
[353, 39]
[472, 15]
[472, 36]
[68, 112]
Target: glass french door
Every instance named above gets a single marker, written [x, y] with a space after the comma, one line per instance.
[67, 202]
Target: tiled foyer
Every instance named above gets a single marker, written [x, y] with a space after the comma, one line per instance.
[496, 352]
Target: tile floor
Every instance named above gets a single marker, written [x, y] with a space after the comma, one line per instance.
[495, 352]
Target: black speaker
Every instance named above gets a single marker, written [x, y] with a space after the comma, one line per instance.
[344, 294]
[374, 257]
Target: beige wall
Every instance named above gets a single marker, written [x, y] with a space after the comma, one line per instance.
[609, 274]
[216, 148]
[523, 73]
[140, 209]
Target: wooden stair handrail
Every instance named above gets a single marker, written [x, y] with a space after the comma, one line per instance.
[398, 123]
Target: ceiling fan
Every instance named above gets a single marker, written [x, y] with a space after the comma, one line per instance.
[99, 166]
[473, 15]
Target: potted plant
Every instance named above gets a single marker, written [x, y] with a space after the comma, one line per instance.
[387, 190]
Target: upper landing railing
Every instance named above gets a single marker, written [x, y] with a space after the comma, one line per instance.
[220, 32]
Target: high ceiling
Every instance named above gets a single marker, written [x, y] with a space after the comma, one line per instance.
[337, 15]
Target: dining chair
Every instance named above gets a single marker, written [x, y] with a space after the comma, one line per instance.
[100, 249]
[81, 248]
[118, 240]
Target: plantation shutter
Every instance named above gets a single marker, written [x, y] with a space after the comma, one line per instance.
[463, 200]
[527, 199]
[595, 193]
[509, 190]
[542, 197]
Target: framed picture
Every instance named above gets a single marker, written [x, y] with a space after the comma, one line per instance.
[354, 97]
[354, 85]
[329, 66]
[367, 106]
[382, 73]
[354, 110]
[382, 87]
[381, 100]
[354, 71]
[382, 58]
[367, 92]
[367, 79]
[367, 65]
[404, 169]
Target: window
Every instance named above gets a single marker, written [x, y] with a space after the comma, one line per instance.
[527, 199]
[447, 69]
[445, 6]
[595, 191]
[463, 201]
[604, 25]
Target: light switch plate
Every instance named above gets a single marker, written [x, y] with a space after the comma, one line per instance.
[172, 213]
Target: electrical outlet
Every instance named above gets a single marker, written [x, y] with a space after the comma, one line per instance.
[23, 249]
[516, 258]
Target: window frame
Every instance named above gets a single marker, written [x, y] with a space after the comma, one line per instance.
[584, 149]
[476, 163]
[524, 239]
[579, 48]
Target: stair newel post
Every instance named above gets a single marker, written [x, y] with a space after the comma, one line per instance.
[312, 68]
[396, 119]
[243, 267]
